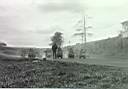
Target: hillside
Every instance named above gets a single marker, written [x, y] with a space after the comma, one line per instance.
[16, 51]
[111, 46]
[115, 46]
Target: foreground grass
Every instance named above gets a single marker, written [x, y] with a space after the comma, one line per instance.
[55, 74]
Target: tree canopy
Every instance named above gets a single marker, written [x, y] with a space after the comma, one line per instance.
[57, 38]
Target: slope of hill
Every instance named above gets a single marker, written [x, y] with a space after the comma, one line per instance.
[111, 46]
[15, 51]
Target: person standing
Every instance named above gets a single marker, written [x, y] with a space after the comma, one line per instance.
[59, 52]
[54, 48]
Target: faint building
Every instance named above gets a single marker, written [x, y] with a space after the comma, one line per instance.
[125, 25]
[124, 33]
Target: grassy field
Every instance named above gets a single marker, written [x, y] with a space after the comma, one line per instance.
[57, 74]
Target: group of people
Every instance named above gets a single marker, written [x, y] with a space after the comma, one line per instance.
[57, 51]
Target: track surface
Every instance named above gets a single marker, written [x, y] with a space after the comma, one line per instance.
[100, 60]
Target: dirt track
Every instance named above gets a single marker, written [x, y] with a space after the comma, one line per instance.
[101, 60]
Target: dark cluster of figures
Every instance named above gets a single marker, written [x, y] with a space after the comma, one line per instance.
[57, 51]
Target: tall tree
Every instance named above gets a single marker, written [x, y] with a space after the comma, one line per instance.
[82, 32]
[57, 38]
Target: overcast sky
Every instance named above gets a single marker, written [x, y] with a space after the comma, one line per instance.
[33, 22]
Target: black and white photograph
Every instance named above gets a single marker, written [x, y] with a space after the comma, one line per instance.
[64, 44]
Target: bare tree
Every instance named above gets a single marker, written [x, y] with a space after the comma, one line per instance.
[82, 32]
